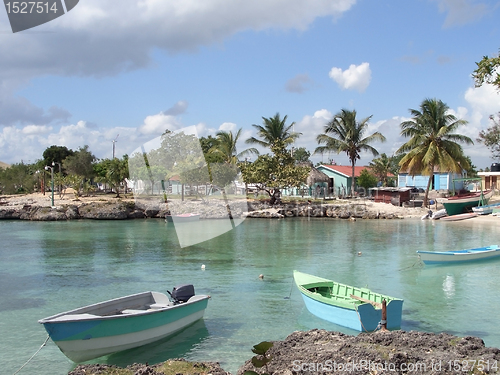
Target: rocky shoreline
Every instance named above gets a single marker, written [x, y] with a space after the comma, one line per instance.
[38, 208]
[322, 352]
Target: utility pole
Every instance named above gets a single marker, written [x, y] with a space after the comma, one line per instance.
[114, 141]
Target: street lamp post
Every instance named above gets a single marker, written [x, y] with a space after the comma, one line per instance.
[52, 180]
[59, 187]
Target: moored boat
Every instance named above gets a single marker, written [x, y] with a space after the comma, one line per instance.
[356, 308]
[460, 203]
[457, 256]
[486, 210]
[124, 323]
[468, 215]
[182, 218]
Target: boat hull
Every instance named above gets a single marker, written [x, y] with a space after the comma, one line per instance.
[460, 256]
[182, 218]
[465, 216]
[485, 210]
[81, 337]
[350, 313]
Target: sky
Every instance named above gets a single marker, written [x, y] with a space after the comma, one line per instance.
[127, 70]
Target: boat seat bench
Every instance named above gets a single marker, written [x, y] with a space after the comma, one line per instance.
[131, 311]
[157, 306]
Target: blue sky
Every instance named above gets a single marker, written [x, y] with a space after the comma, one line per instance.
[145, 66]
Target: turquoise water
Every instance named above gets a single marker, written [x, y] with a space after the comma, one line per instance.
[48, 267]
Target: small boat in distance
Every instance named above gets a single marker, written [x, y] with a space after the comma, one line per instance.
[182, 218]
[457, 256]
[124, 323]
[356, 308]
[485, 210]
[459, 217]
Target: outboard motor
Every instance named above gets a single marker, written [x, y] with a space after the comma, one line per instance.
[182, 293]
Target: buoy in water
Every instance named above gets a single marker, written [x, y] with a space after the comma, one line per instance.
[202, 266]
[359, 253]
[261, 276]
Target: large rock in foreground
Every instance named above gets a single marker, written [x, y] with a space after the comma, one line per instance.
[396, 352]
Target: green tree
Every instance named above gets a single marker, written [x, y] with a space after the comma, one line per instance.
[274, 129]
[224, 173]
[80, 163]
[491, 137]
[56, 154]
[345, 134]
[112, 172]
[487, 71]
[382, 166]
[225, 147]
[178, 154]
[433, 142]
[301, 155]
[275, 172]
[367, 179]
[207, 143]
[20, 178]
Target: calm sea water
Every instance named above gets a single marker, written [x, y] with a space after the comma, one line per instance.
[48, 267]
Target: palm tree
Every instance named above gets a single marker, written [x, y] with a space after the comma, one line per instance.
[273, 131]
[225, 147]
[433, 142]
[344, 134]
[382, 166]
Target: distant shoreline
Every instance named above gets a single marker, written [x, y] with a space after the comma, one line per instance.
[37, 207]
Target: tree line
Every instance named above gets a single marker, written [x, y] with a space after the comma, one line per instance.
[432, 144]
[215, 161]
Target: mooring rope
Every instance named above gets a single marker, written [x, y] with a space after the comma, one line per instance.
[33, 356]
[419, 262]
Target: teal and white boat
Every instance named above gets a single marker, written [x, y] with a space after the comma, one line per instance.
[124, 323]
[459, 256]
[356, 308]
[486, 210]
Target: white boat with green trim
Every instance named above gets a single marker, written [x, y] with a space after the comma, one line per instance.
[356, 308]
[124, 323]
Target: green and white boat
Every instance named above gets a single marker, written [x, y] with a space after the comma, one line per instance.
[356, 308]
[462, 202]
[124, 323]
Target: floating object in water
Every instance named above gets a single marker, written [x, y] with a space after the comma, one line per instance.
[203, 267]
[261, 276]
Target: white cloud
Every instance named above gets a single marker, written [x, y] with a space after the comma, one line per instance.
[228, 126]
[105, 37]
[355, 78]
[158, 124]
[36, 129]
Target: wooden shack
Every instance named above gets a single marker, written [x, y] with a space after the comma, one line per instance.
[392, 195]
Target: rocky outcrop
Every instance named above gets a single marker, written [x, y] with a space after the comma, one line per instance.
[396, 352]
[106, 209]
[323, 352]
